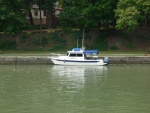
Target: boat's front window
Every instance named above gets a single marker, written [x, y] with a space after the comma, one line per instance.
[79, 55]
[72, 55]
[76, 55]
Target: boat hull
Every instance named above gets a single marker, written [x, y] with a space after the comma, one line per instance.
[78, 62]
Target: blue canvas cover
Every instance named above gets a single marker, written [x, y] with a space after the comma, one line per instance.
[76, 49]
[91, 52]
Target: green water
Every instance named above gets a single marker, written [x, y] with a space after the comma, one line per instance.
[74, 89]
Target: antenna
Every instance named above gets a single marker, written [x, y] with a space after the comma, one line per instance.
[77, 42]
[83, 48]
[83, 37]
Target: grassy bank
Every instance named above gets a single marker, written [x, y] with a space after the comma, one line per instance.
[108, 42]
[49, 53]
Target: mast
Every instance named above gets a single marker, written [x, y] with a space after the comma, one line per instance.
[83, 38]
[77, 42]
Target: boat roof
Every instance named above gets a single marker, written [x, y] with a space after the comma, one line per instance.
[78, 50]
[90, 51]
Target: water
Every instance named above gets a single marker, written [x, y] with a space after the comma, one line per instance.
[75, 89]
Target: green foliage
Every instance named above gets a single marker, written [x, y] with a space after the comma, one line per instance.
[53, 35]
[44, 41]
[8, 44]
[64, 40]
[24, 36]
[36, 41]
[128, 18]
[79, 13]
[114, 47]
[129, 13]
[13, 13]
[12, 16]
[131, 45]
[47, 4]
[129, 39]
[57, 48]
[101, 43]
[57, 38]
[143, 37]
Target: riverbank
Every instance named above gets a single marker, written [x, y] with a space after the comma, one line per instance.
[43, 59]
[62, 40]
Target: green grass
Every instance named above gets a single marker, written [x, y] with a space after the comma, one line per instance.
[47, 53]
[122, 53]
[21, 52]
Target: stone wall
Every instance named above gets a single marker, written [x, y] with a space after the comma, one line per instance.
[25, 60]
[131, 60]
[46, 60]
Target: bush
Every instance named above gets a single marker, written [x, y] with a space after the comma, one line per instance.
[113, 47]
[8, 44]
[129, 39]
[44, 41]
[143, 37]
[24, 36]
[36, 41]
[101, 42]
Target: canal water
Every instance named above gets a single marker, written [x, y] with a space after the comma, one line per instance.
[120, 88]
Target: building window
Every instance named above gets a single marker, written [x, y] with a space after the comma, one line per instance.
[45, 12]
[36, 13]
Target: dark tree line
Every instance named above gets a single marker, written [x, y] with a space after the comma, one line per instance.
[95, 14]
[122, 14]
[14, 13]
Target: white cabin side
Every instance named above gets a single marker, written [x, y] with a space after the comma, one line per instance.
[76, 55]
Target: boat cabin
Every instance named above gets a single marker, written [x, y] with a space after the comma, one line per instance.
[78, 53]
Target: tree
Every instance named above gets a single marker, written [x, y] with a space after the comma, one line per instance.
[44, 5]
[28, 4]
[13, 13]
[129, 13]
[88, 13]
[12, 16]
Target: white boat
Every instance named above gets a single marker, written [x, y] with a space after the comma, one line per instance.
[79, 56]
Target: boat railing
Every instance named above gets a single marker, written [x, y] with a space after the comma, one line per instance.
[90, 57]
[56, 54]
[52, 55]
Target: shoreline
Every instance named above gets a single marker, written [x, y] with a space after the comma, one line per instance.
[45, 60]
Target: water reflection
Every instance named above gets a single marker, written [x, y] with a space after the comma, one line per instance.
[76, 75]
[74, 89]
[77, 70]
[76, 85]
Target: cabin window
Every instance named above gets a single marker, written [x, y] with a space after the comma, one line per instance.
[72, 55]
[79, 55]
